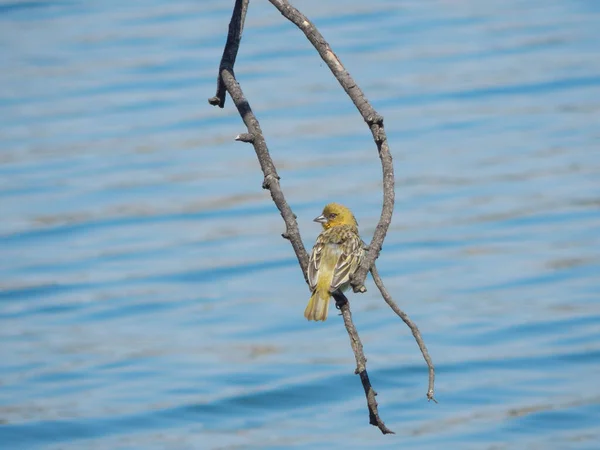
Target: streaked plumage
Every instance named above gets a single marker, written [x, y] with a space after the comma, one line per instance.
[335, 256]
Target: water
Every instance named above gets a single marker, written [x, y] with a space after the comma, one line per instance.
[148, 301]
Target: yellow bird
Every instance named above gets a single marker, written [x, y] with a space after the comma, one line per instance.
[335, 256]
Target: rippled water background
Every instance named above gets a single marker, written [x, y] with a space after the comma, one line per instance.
[147, 298]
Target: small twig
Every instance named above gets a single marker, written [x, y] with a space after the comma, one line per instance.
[373, 120]
[415, 331]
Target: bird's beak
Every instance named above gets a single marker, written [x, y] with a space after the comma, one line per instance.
[320, 219]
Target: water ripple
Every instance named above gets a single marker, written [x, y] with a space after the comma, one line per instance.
[148, 300]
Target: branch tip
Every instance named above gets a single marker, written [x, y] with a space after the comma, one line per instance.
[411, 325]
[358, 289]
[245, 137]
[215, 101]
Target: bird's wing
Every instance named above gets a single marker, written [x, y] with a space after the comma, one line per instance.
[314, 263]
[351, 253]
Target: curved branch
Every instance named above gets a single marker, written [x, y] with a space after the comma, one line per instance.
[271, 182]
[228, 83]
[373, 120]
[234, 36]
[413, 328]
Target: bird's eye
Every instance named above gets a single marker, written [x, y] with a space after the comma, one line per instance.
[332, 215]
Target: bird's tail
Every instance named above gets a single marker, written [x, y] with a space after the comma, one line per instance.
[318, 305]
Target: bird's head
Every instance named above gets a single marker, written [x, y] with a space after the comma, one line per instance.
[335, 215]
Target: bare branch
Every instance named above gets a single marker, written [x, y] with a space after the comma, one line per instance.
[341, 302]
[228, 83]
[234, 36]
[415, 331]
[373, 120]
[271, 178]
[254, 134]
[292, 233]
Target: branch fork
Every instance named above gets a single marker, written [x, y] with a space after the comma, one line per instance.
[227, 82]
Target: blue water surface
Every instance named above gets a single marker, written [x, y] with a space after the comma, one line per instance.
[148, 301]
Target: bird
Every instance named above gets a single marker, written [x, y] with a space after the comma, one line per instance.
[336, 255]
